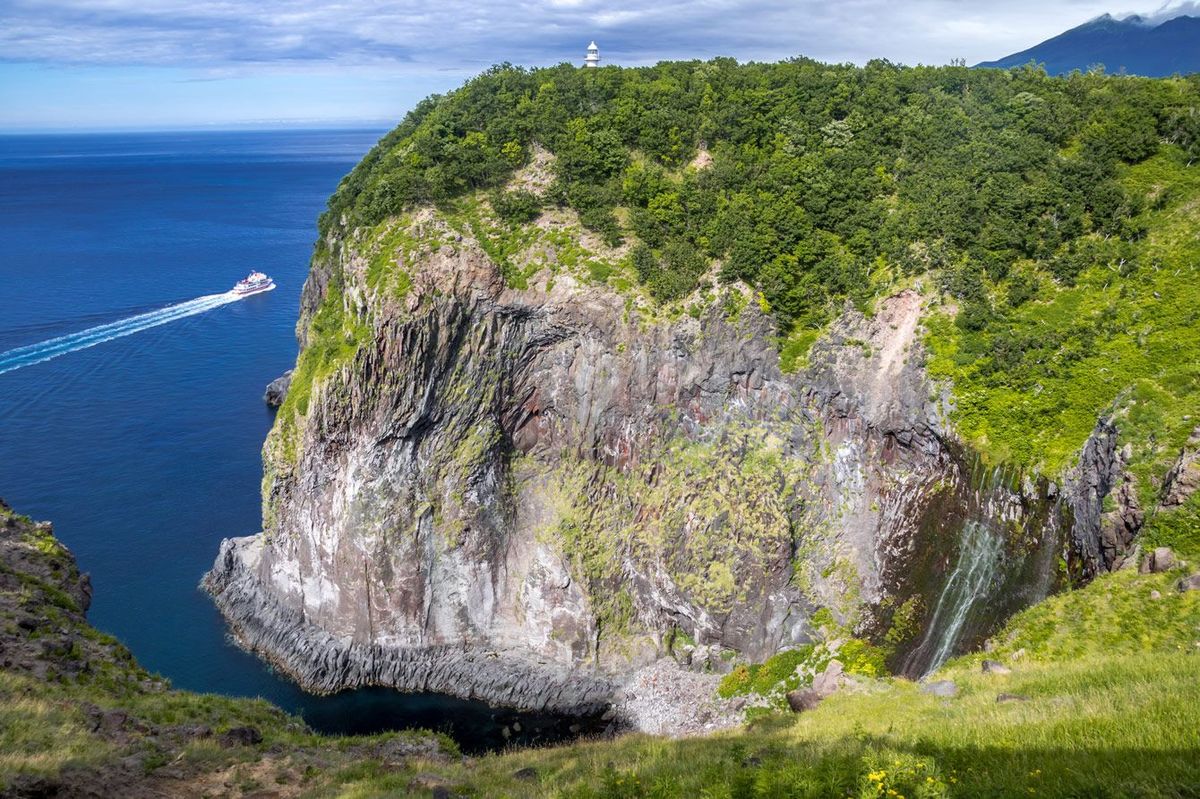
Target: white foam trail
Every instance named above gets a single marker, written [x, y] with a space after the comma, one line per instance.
[73, 342]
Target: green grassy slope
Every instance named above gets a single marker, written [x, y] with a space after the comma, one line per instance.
[77, 712]
[1125, 337]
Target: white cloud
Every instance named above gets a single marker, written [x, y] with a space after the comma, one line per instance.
[455, 34]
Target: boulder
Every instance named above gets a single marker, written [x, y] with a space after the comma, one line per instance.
[1191, 583]
[242, 736]
[277, 389]
[396, 751]
[803, 699]
[1160, 559]
[827, 682]
[1002, 698]
[943, 688]
[995, 667]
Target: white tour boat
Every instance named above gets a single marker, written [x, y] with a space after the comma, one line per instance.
[254, 283]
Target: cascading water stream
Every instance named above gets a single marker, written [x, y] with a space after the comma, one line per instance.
[979, 555]
[73, 342]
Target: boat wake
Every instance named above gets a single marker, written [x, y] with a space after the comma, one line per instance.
[73, 342]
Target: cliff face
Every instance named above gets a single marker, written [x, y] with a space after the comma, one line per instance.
[522, 494]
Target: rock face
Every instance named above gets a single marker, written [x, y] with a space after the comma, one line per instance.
[1100, 495]
[1160, 559]
[1184, 478]
[523, 495]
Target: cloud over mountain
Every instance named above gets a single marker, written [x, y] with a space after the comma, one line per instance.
[215, 34]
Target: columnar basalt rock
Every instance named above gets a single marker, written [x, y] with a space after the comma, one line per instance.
[523, 495]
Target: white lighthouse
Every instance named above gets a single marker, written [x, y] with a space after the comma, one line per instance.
[592, 59]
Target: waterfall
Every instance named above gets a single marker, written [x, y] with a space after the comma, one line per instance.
[979, 554]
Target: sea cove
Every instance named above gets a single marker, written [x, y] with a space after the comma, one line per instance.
[145, 450]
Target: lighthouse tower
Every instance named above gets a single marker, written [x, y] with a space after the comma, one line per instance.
[592, 59]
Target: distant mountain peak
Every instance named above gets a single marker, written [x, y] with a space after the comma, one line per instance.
[1158, 46]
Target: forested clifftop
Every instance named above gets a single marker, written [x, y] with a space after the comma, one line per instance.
[708, 360]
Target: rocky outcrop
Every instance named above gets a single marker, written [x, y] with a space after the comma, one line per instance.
[69, 689]
[524, 494]
[1102, 498]
[43, 603]
[1101, 495]
[1184, 477]
[324, 664]
[277, 389]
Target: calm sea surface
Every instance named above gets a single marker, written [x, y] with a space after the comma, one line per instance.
[144, 449]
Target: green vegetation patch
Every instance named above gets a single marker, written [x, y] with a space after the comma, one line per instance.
[334, 337]
[1117, 614]
[822, 182]
[1100, 703]
[712, 511]
[1178, 529]
[1101, 726]
[393, 244]
[1122, 334]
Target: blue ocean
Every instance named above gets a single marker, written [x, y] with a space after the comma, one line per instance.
[131, 411]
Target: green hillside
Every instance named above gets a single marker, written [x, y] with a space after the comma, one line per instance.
[1052, 215]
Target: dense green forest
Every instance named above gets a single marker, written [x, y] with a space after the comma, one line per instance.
[821, 176]
[834, 183]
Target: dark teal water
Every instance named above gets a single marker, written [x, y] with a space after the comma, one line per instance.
[144, 449]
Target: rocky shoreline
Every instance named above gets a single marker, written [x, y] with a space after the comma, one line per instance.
[322, 664]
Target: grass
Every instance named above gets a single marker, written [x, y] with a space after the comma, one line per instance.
[1108, 673]
[1109, 680]
[39, 735]
[1124, 337]
[1114, 726]
[1178, 529]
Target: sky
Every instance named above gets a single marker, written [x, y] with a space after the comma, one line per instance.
[78, 65]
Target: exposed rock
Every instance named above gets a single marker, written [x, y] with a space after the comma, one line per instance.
[1002, 698]
[1190, 583]
[1161, 559]
[995, 667]
[1184, 477]
[1101, 538]
[277, 389]
[528, 774]
[242, 736]
[326, 664]
[397, 750]
[943, 688]
[522, 495]
[666, 699]
[40, 582]
[829, 681]
[803, 699]
[538, 173]
[125, 755]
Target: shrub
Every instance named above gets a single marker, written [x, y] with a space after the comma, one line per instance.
[517, 207]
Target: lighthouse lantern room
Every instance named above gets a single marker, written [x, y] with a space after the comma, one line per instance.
[592, 59]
